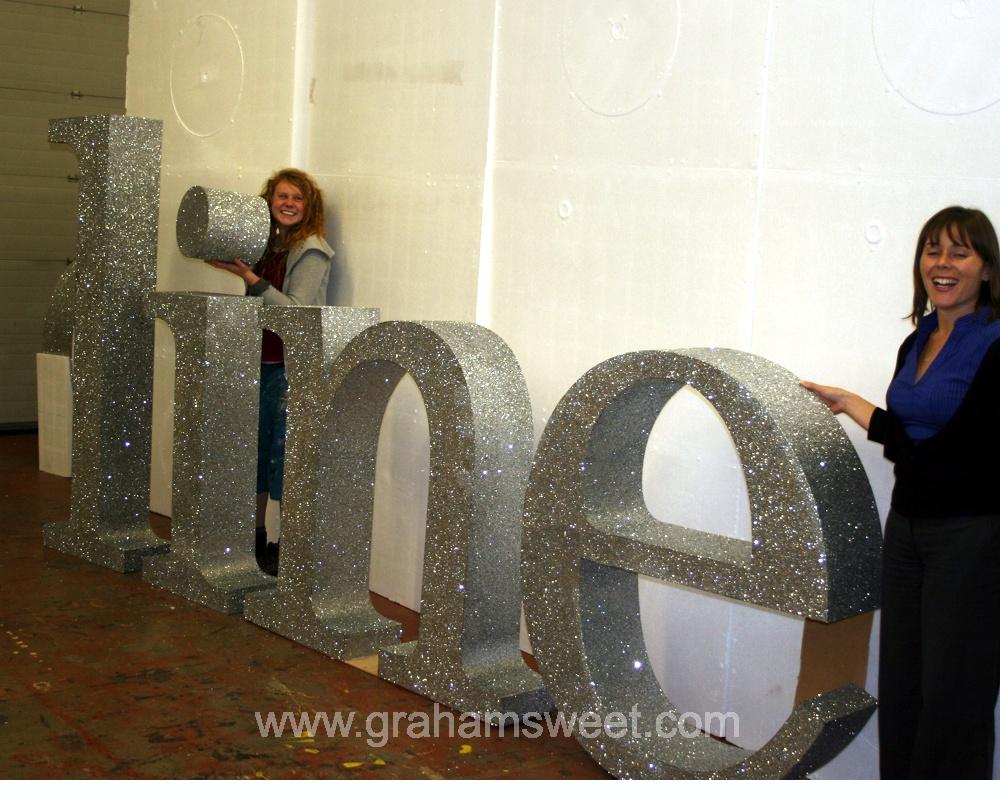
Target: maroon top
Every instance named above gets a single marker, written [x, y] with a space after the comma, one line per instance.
[272, 269]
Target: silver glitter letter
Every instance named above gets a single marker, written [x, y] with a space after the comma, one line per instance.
[211, 559]
[57, 332]
[112, 368]
[313, 338]
[588, 535]
[479, 414]
[480, 434]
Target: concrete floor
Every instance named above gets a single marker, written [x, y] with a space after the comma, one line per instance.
[104, 676]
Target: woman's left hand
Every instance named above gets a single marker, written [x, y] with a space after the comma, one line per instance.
[239, 268]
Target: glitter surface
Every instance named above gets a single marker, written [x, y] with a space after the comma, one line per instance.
[480, 441]
[588, 535]
[111, 370]
[213, 224]
[57, 330]
[312, 554]
[217, 342]
[479, 419]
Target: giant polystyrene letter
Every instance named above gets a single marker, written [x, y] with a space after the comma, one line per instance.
[313, 338]
[479, 422]
[112, 340]
[479, 415]
[588, 535]
[217, 341]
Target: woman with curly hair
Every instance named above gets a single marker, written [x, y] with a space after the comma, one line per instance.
[294, 271]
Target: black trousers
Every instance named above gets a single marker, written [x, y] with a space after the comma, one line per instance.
[939, 652]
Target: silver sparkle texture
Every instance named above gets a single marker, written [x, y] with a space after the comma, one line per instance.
[588, 535]
[311, 554]
[214, 224]
[57, 330]
[480, 441]
[216, 385]
[111, 370]
[479, 418]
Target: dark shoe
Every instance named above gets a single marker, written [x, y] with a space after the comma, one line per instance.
[266, 552]
[268, 562]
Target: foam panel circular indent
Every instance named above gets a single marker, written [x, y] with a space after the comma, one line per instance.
[617, 55]
[206, 74]
[940, 55]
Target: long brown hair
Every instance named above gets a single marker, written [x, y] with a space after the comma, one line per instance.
[973, 228]
[312, 223]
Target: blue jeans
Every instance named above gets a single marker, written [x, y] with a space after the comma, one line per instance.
[271, 429]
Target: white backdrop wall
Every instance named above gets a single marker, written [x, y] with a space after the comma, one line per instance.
[587, 178]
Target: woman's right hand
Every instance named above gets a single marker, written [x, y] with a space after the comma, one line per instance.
[239, 268]
[842, 401]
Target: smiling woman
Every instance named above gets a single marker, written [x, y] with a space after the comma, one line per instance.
[294, 271]
[287, 205]
[939, 654]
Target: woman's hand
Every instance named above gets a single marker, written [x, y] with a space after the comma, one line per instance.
[239, 268]
[841, 401]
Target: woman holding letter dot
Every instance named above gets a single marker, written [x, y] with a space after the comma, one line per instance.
[294, 271]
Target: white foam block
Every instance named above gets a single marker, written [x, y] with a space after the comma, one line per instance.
[55, 414]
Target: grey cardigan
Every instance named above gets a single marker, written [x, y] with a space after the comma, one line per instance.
[307, 274]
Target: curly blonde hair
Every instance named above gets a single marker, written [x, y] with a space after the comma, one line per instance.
[313, 223]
